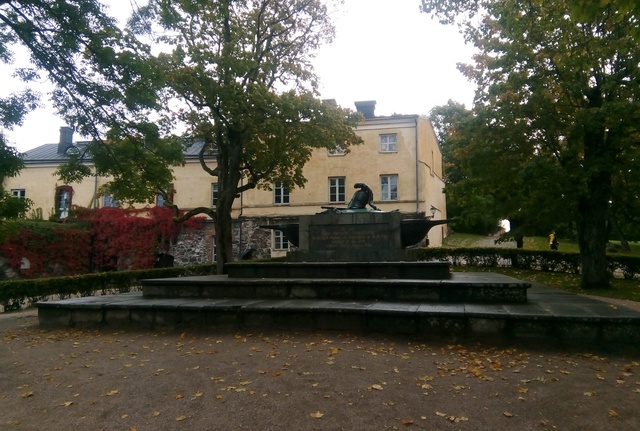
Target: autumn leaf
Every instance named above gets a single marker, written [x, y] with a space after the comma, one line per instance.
[590, 394]
[112, 393]
[179, 396]
[66, 403]
[508, 414]
[613, 413]
[27, 394]
[316, 415]
[523, 390]
[155, 414]
[375, 387]
[407, 422]
[181, 418]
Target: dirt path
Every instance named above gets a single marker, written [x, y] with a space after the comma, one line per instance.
[138, 380]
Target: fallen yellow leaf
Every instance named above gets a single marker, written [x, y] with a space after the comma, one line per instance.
[613, 413]
[508, 414]
[27, 394]
[67, 403]
[407, 422]
[181, 418]
[114, 392]
[316, 415]
[155, 414]
[590, 393]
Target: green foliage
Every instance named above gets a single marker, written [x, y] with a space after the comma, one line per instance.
[539, 260]
[16, 294]
[242, 77]
[554, 130]
[10, 165]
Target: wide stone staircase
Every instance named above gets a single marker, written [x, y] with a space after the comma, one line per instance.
[422, 299]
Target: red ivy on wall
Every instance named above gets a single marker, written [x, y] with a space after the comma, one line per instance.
[37, 251]
[111, 239]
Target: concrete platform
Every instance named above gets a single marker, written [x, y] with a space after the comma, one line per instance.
[549, 315]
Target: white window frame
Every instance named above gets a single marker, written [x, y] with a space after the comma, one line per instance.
[388, 143]
[280, 193]
[19, 193]
[337, 189]
[214, 195]
[280, 241]
[389, 187]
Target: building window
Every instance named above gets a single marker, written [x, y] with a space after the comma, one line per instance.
[280, 193]
[337, 189]
[19, 193]
[160, 198]
[280, 241]
[389, 187]
[214, 195]
[108, 201]
[389, 143]
[63, 198]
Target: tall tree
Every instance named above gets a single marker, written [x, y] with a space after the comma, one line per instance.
[239, 76]
[105, 80]
[556, 107]
[473, 206]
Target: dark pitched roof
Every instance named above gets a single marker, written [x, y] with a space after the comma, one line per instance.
[48, 153]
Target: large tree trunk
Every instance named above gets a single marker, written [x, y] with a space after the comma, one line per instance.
[593, 206]
[224, 238]
[592, 239]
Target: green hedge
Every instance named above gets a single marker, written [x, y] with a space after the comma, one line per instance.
[544, 260]
[15, 294]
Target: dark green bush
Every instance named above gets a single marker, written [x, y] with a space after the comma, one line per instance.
[542, 260]
[15, 294]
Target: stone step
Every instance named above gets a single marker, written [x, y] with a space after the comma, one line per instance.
[480, 288]
[373, 270]
[563, 318]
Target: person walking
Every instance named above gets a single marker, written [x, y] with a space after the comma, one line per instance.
[553, 241]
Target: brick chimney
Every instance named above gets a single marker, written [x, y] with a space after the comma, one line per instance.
[66, 139]
[366, 108]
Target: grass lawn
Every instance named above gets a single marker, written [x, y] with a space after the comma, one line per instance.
[620, 289]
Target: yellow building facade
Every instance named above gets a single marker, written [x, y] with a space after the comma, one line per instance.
[400, 160]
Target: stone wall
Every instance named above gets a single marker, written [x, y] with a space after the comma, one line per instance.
[194, 247]
[249, 241]
[252, 240]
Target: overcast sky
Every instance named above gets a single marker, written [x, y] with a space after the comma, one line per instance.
[385, 51]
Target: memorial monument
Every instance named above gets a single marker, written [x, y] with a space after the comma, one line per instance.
[360, 232]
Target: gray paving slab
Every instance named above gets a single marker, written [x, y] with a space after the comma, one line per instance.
[444, 309]
[393, 307]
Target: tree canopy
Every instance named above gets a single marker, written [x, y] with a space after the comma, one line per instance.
[236, 77]
[554, 133]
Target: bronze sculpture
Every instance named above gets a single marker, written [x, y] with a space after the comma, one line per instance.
[361, 198]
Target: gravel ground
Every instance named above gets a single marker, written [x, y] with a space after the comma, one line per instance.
[66, 379]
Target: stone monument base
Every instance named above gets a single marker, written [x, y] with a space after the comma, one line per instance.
[367, 236]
